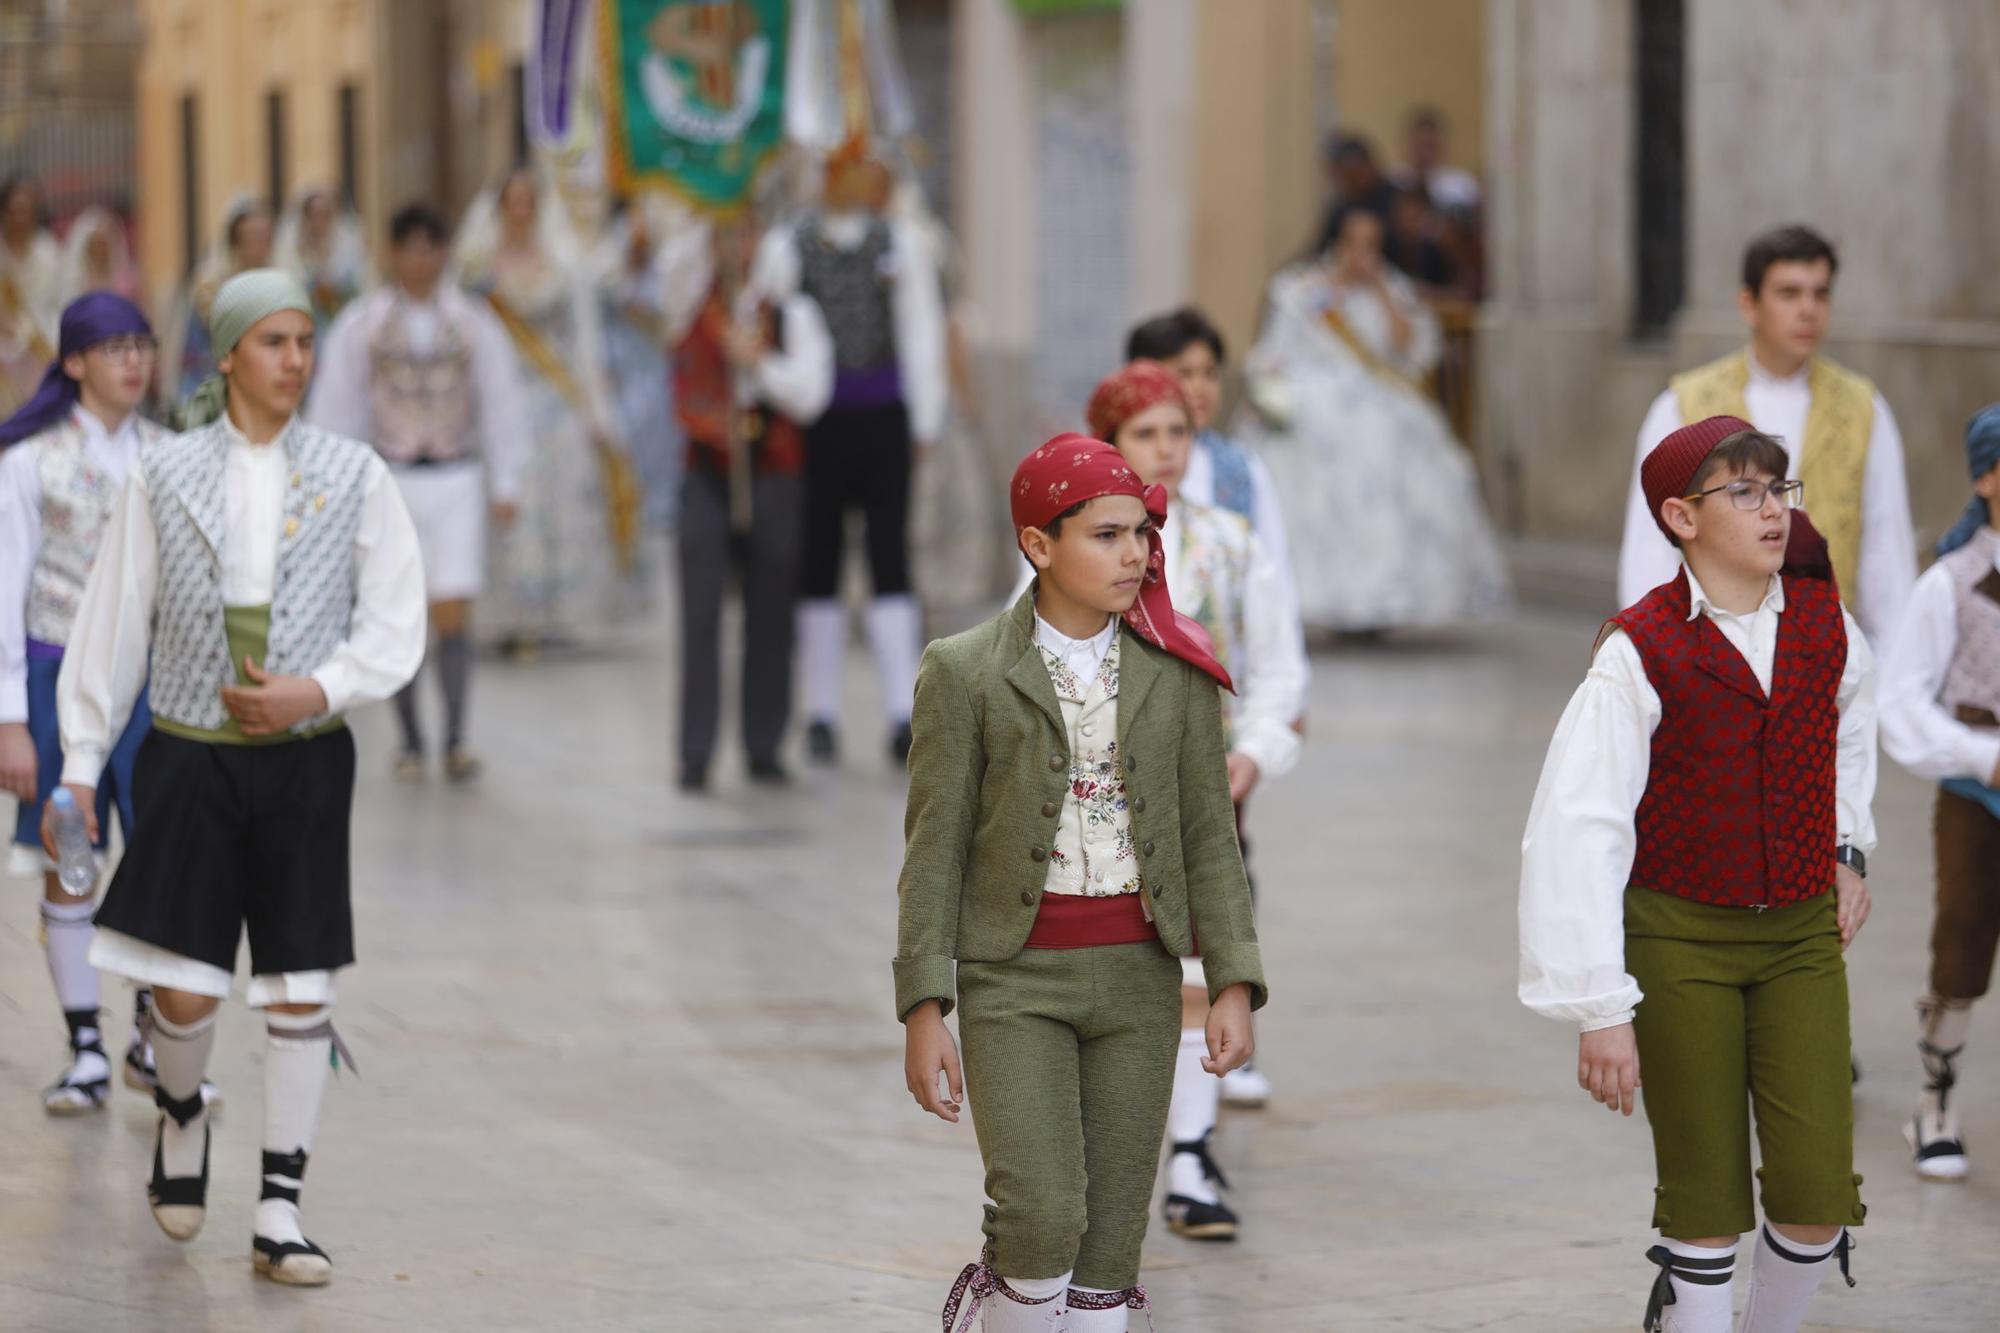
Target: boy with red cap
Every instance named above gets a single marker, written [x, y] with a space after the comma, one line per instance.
[1692, 872]
[1069, 836]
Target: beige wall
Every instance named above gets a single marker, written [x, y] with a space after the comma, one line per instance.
[1391, 56]
[230, 53]
[1256, 184]
[1838, 113]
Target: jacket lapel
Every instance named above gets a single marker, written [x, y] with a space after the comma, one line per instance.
[1029, 675]
[1139, 669]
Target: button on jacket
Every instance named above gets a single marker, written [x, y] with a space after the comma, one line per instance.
[990, 759]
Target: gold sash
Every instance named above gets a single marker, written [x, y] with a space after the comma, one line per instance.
[622, 495]
[12, 302]
[1831, 459]
[1337, 324]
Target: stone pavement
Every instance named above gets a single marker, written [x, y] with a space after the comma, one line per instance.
[629, 1060]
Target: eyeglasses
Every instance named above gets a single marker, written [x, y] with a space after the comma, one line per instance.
[133, 347]
[1749, 495]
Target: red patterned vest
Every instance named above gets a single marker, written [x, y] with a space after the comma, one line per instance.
[1739, 803]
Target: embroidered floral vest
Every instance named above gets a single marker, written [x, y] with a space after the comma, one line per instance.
[1739, 803]
[421, 403]
[1213, 567]
[1093, 855]
[77, 500]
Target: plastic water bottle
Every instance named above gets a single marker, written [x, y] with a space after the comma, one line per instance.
[76, 863]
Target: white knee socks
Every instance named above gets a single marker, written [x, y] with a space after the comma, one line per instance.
[822, 652]
[1039, 1308]
[896, 634]
[1782, 1281]
[1699, 1281]
[298, 1056]
[1190, 1116]
[1095, 1310]
[180, 1055]
[66, 932]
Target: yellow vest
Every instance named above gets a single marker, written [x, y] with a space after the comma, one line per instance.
[1831, 458]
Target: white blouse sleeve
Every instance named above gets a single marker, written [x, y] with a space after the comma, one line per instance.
[1917, 730]
[1854, 756]
[1576, 856]
[504, 420]
[385, 638]
[1274, 681]
[340, 401]
[1887, 563]
[1646, 559]
[797, 379]
[920, 336]
[20, 545]
[110, 642]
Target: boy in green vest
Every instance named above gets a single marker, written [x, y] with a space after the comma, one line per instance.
[1069, 835]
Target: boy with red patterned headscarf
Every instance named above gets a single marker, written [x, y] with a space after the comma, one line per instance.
[1692, 872]
[1069, 836]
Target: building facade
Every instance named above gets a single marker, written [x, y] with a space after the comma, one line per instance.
[1637, 147]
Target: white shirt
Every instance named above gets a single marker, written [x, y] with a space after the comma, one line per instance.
[1886, 565]
[341, 401]
[1576, 856]
[112, 453]
[1082, 656]
[1267, 520]
[111, 642]
[1269, 666]
[1917, 731]
[918, 308]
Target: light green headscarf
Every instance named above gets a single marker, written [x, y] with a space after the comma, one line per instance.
[239, 304]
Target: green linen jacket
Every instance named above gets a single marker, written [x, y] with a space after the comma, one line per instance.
[988, 772]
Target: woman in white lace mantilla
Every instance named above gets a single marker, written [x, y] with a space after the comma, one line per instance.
[1386, 524]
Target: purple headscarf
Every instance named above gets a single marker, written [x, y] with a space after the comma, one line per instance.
[90, 319]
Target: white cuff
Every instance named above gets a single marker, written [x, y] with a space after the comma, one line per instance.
[82, 766]
[1275, 750]
[14, 702]
[336, 685]
[1599, 1024]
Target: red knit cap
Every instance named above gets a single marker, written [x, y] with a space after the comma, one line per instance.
[1668, 471]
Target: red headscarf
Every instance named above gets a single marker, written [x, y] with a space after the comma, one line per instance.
[1073, 468]
[1126, 393]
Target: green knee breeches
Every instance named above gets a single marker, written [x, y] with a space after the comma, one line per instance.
[1069, 1065]
[1744, 1009]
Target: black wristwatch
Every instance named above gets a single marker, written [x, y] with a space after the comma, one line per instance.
[1851, 857]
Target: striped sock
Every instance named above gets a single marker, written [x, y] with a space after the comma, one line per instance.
[1783, 1279]
[1692, 1293]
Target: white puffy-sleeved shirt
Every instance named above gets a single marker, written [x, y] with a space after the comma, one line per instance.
[342, 403]
[1918, 731]
[112, 452]
[106, 662]
[1267, 519]
[1886, 565]
[1577, 853]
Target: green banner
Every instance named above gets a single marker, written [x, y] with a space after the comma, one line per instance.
[695, 94]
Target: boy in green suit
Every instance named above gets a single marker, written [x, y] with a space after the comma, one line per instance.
[1069, 835]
